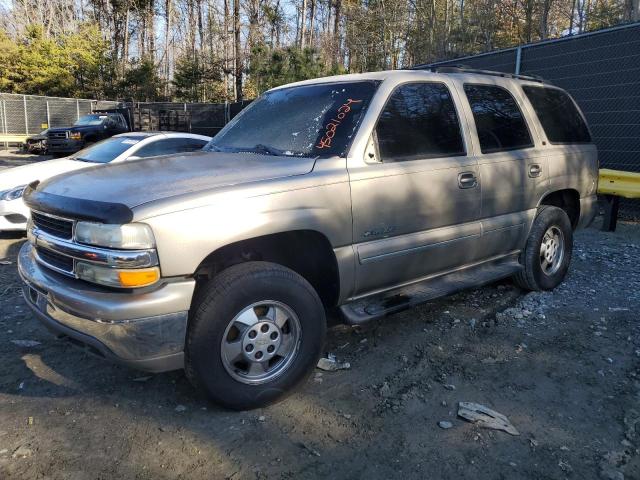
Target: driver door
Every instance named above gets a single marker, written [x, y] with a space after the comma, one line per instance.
[416, 198]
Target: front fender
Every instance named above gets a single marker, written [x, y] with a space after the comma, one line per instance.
[185, 238]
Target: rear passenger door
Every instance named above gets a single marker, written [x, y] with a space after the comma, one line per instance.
[416, 197]
[513, 169]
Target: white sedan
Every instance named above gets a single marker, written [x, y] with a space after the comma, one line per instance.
[126, 146]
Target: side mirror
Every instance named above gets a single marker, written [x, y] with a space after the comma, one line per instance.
[371, 154]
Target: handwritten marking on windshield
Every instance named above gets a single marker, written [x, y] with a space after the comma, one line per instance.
[325, 141]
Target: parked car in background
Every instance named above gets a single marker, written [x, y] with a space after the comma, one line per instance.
[36, 144]
[86, 130]
[129, 146]
[364, 194]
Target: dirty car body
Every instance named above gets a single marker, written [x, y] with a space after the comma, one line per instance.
[399, 187]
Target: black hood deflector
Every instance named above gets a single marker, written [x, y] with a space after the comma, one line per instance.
[76, 208]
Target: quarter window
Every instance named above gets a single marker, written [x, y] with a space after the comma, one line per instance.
[419, 121]
[560, 119]
[499, 121]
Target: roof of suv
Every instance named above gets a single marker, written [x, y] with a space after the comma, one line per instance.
[419, 72]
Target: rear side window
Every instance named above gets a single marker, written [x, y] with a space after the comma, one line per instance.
[419, 121]
[499, 121]
[558, 115]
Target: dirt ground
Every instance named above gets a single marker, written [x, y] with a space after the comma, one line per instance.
[564, 367]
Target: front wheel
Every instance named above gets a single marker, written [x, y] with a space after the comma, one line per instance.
[547, 254]
[255, 333]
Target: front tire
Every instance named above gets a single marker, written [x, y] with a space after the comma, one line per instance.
[255, 333]
[547, 254]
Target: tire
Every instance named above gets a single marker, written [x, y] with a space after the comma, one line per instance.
[220, 335]
[538, 272]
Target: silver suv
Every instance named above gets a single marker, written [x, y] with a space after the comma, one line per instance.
[370, 193]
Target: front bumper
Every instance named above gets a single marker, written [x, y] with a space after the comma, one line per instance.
[145, 330]
[13, 215]
[55, 145]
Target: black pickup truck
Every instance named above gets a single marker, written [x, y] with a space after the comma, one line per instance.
[86, 130]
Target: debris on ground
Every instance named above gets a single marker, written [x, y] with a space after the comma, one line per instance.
[485, 417]
[309, 449]
[181, 408]
[444, 424]
[26, 343]
[143, 379]
[385, 390]
[22, 451]
[331, 364]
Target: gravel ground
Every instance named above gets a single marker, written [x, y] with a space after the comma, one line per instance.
[564, 367]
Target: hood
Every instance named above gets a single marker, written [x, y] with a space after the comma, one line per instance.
[142, 181]
[25, 174]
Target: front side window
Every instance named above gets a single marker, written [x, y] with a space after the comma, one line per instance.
[305, 121]
[499, 121]
[560, 119]
[419, 121]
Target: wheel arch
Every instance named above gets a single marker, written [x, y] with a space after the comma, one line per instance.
[307, 252]
[567, 199]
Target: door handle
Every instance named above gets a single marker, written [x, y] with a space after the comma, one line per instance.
[467, 180]
[535, 170]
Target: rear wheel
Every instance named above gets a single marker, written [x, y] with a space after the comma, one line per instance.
[255, 333]
[547, 254]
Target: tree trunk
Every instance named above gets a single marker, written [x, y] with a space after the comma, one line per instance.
[312, 17]
[634, 14]
[125, 42]
[337, 57]
[573, 16]
[303, 23]
[167, 45]
[151, 34]
[226, 49]
[544, 19]
[238, 49]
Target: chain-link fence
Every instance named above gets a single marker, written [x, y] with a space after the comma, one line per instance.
[601, 70]
[30, 114]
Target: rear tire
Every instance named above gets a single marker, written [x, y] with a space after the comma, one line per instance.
[256, 331]
[547, 254]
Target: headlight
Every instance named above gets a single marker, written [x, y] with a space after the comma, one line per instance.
[131, 236]
[13, 193]
[75, 135]
[122, 278]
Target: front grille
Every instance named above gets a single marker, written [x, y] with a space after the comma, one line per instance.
[57, 135]
[56, 260]
[55, 226]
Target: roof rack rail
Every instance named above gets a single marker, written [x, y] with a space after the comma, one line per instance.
[467, 69]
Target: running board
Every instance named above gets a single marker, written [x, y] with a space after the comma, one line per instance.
[393, 301]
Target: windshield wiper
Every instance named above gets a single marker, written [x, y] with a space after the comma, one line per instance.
[260, 148]
[263, 149]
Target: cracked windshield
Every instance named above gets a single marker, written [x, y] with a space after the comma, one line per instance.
[305, 121]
